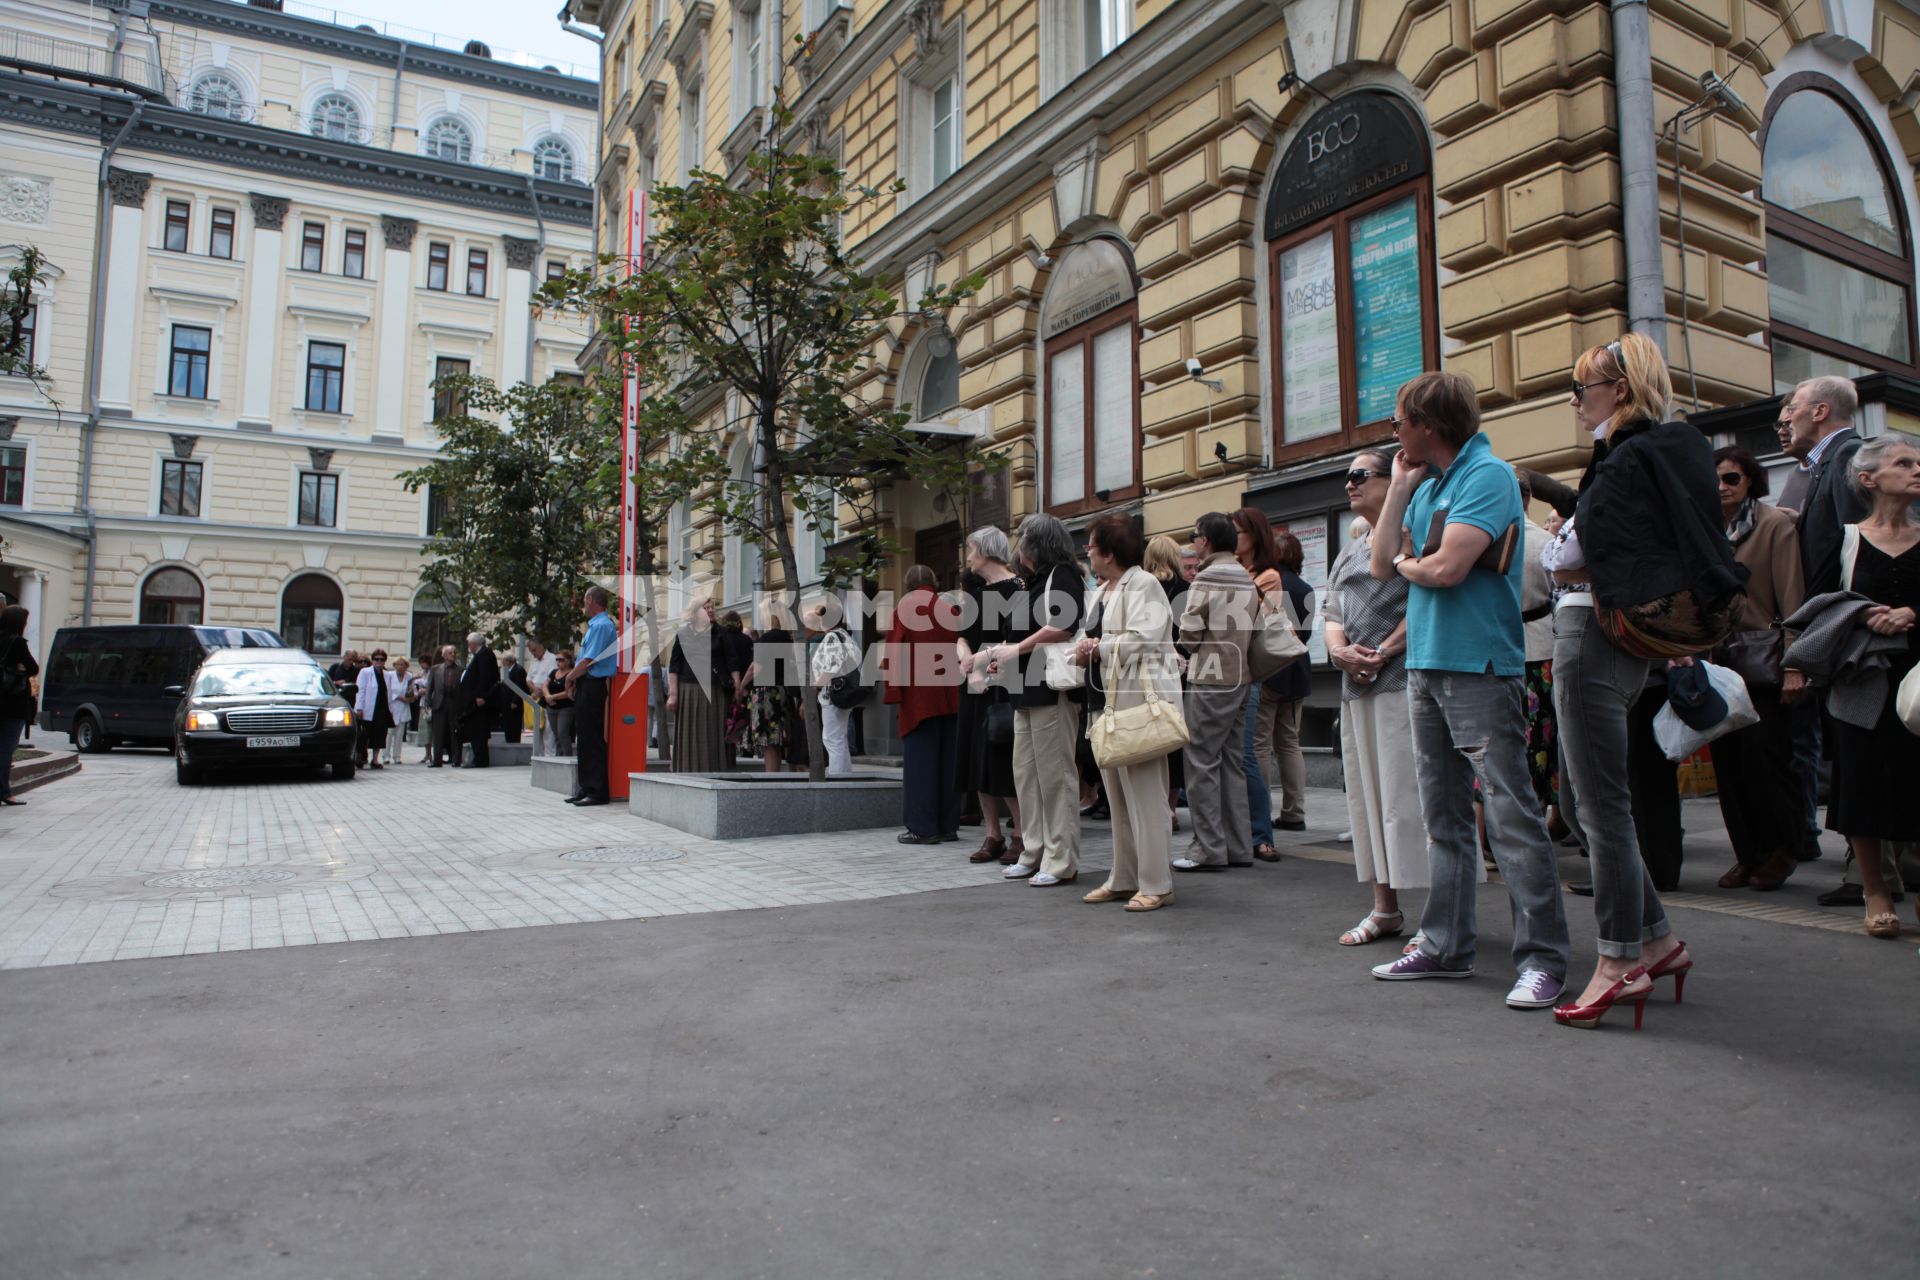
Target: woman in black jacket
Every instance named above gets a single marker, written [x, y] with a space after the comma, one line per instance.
[1647, 575]
[17, 670]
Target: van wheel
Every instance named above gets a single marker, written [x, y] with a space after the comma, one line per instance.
[183, 773]
[342, 770]
[88, 737]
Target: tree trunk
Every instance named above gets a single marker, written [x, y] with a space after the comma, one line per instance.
[790, 573]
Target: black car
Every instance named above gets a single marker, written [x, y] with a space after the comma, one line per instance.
[260, 708]
[107, 685]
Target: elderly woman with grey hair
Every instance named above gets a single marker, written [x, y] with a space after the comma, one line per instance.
[985, 752]
[1046, 721]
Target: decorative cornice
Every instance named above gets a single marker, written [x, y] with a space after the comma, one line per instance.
[398, 232]
[745, 137]
[183, 445]
[647, 106]
[321, 458]
[337, 42]
[520, 253]
[923, 20]
[269, 212]
[128, 189]
[695, 18]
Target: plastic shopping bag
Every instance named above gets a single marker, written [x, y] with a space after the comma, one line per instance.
[1678, 741]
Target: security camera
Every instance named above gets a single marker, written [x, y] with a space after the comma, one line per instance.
[1194, 367]
[1220, 450]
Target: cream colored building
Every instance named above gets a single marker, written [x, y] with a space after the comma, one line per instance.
[266, 236]
[1315, 199]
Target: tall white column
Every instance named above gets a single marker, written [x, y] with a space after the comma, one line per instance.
[396, 284]
[263, 312]
[516, 335]
[32, 597]
[126, 233]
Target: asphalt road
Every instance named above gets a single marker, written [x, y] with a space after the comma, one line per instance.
[982, 1082]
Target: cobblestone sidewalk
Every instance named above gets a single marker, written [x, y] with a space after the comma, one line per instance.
[121, 863]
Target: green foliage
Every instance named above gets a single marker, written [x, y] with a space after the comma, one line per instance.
[529, 477]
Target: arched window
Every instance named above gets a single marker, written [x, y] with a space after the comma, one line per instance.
[172, 595]
[448, 139]
[215, 93]
[1839, 265]
[930, 378]
[1090, 323]
[430, 628]
[311, 615]
[334, 116]
[553, 158]
[1350, 258]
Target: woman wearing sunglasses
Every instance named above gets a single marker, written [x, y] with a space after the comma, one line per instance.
[1647, 571]
[1366, 621]
[1759, 798]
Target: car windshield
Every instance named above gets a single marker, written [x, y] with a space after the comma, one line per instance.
[280, 678]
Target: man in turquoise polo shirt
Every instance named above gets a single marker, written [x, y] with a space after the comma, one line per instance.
[1454, 505]
[589, 682]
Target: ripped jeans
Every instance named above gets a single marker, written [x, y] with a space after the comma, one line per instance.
[1469, 726]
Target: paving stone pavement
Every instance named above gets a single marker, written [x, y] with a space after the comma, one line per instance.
[122, 863]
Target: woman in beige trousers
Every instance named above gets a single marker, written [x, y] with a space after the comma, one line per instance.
[1128, 644]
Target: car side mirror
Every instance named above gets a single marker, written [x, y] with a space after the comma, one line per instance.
[174, 691]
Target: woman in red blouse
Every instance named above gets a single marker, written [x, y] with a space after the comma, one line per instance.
[923, 679]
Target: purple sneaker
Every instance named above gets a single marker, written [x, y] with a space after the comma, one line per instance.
[1535, 989]
[1417, 964]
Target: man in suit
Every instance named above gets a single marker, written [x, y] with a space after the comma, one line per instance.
[443, 708]
[479, 683]
[1817, 423]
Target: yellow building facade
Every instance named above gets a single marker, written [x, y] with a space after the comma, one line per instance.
[1217, 234]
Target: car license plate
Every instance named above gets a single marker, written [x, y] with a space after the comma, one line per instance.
[273, 741]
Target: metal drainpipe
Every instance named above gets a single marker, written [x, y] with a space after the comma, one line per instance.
[1639, 170]
[568, 25]
[393, 118]
[95, 330]
[533, 275]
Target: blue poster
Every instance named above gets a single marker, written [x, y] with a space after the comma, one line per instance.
[1387, 340]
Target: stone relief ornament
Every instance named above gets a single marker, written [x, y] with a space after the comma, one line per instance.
[268, 211]
[398, 231]
[128, 188]
[520, 253]
[25, 200]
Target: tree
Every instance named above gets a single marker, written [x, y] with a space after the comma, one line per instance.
[16, 304]
[748, 298]
[526, 484]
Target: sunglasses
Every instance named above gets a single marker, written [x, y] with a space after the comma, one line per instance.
[1360, 475]
[1580, 388]
[1731, 478]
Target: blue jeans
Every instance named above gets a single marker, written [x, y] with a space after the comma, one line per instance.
[1259, 794]
[1467, 727]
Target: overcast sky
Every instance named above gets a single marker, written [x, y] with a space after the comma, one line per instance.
[528, 26]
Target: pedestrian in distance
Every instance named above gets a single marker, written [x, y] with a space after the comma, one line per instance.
[401, 695]
[986, 724]
[699, 687]
[1214, 632]
[539, 673]
[18, 667]
[557, 698]
[1167, 560]
[445, 698]
[835, 660]
[1450, 509]
[373, 707]
[590, 682]
[479, 683]
[922, 679]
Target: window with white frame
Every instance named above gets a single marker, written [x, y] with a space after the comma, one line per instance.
[334, 116]
[215, 93]
[743, 553]
[818, 11]
[812, 534]
[13, 475]
[553, 158]
[1075, 34]
[449, 139]
[749, 57]
[936, 120]
[1090, 325]
[180, 483]
[692, 130]
[662, 13]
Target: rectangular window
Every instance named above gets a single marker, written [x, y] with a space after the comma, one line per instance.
[662, 13]
[326, 376]
[436, 510]
[691, 131]
[13, 475]
[477, 272]
[187, 371]
[556, 269]
[177, 222]
[220, 238]
[353, 259]
[449, 402]
[319, 498]
[945, 133]
[438, 256]
[179, 488]
[313, 247]
[29, 326]
[1092, 415]
[1106, 23]
[752, 42]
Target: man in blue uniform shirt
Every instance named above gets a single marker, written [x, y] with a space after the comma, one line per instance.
[587, 682]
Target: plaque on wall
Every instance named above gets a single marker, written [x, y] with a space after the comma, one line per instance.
[1388, 342]
[1092, 278]
[1351, 148]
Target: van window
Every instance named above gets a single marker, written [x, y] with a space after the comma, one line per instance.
[150, 657]
[184, 653]
[73, 658]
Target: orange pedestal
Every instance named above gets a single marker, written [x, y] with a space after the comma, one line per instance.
[626, 731]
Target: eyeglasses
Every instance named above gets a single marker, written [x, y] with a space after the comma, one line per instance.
[1580, 388]
[1360, 475]
[1731, 478]
[1402, 422]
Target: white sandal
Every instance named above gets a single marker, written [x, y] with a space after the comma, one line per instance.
[1372, 929]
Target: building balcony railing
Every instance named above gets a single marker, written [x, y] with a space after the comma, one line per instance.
[34, 52]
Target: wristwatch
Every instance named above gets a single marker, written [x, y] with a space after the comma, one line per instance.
[1402, 558]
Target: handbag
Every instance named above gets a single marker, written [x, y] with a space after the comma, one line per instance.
[1145, 731]
[1275, 643]
[1063, 673]
[999, 724]
[1906, 701]
[1758, 656]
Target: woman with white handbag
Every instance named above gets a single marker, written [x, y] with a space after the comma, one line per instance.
[1046, 699]
[1128, 647]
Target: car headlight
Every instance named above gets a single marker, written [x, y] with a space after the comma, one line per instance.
[339, 715]
[202, 720]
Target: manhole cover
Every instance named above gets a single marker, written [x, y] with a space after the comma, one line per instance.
[621, 854]
[218, 878]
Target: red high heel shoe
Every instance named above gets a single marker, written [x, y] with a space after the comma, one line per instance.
[1675, 964]
[1587, 1016]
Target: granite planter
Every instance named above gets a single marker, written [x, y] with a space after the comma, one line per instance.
[734, 806]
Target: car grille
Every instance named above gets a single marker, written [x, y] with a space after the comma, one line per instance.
[274, 720]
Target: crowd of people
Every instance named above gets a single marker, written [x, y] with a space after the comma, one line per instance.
[1499, 679]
